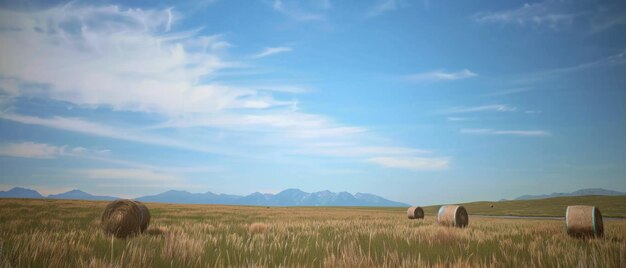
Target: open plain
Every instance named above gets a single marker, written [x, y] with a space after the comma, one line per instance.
[61, 233]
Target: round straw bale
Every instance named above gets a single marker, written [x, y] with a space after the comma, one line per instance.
[145, 216]
[584, 221]
[122, 218]
[415, 213]
[451, 215]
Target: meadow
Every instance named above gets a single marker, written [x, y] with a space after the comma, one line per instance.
[66, 233]
[610, 206]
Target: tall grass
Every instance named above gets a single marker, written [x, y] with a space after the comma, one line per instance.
[59, 233]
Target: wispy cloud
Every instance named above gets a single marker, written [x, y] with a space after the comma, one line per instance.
[412, 163]
[271, 51]
[435, 76]
[584, 16]
[606, 20]
[510, 91]
[99, 130]
[125, 174]
[489, 131]
[457, 119]
[607, 61]
[295, 12]
[382, 7]
[364, 151]
[612, 60]
[542, 14]
[31, 150]
[482, 108]
[126, 61]
[135, 60]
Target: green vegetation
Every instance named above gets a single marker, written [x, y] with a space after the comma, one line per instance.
[61, 233]
[610, 206]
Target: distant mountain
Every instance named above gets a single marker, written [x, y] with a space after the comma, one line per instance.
[80, 195]
[289, 197]
[590, 191]
[184, 197]
[19, 192]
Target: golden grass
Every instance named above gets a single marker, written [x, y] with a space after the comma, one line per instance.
[258, 228]
[59, 233]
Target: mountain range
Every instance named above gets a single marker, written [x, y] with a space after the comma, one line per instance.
[581, 192]
[289, 197]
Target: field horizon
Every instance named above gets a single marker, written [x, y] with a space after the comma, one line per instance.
[610, 206]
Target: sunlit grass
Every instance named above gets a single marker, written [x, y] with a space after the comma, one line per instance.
[58, 233]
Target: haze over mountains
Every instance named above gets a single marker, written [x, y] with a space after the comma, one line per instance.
[289, 197]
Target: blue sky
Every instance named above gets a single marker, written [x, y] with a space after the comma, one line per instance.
[423, 102]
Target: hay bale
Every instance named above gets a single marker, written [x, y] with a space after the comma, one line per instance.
[584, 221]
[145, 216]
[415, 213]
[451, 215]
[123, 218]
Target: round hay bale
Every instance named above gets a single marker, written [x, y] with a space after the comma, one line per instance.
[451, 215]
[584, 221]
[415, 213]
[123, 218]
[145, 216]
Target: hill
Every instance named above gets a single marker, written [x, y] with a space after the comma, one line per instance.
[19, 192]
[610, 206]
[581, 192]
[80, 195]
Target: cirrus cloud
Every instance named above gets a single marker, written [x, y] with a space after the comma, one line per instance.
[412, 163]
[436, 76]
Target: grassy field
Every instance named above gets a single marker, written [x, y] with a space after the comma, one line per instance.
[62, 233]
[610, 206]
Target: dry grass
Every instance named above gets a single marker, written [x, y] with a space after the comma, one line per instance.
[199, 236]
[258, 228]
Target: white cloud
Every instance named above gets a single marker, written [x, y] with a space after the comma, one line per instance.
[455, 118]
[435, 76]
[170, 19]
[99, 130]
[545, 14]
[271, 51]
[483, 108]
[135, 60]
[412, 163]
[31, 150]
[119, 58]
[488, 131]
